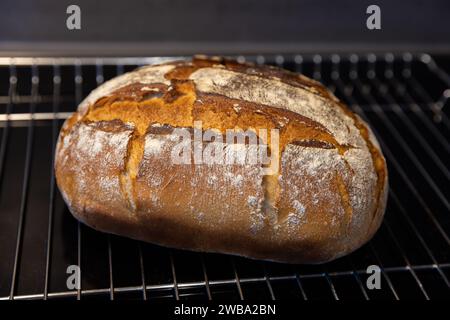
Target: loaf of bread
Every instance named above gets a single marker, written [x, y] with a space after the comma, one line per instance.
[147, 156]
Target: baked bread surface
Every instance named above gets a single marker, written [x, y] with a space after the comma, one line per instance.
[114, 168]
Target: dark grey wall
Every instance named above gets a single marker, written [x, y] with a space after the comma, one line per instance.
[182, 27]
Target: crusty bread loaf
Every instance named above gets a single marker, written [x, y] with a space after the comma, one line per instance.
[115, 167]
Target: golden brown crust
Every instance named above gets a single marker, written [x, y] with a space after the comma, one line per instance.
[113, 163]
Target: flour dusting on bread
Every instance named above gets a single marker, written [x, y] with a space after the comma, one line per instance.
[275, 93]
[144, 75]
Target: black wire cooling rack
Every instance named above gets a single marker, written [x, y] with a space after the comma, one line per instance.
[404, 97]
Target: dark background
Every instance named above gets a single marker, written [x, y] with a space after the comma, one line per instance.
[137, 27]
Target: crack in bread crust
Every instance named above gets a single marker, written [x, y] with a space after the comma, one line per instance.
[378, 160]
[345, 197]
[135, 151]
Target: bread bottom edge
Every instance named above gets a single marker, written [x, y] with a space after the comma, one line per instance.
[139, 233]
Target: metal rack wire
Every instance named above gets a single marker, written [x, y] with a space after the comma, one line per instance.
[405, 97]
